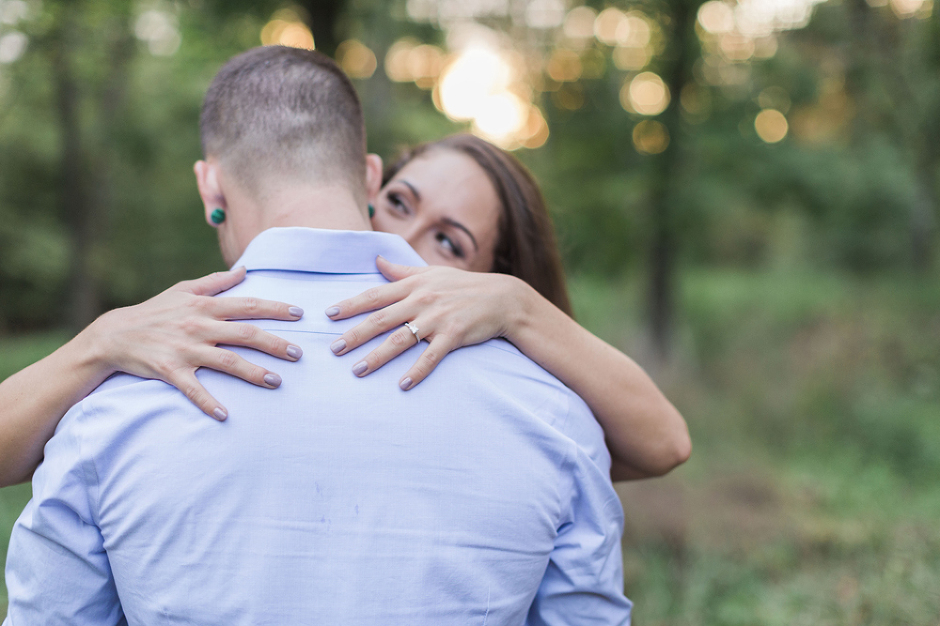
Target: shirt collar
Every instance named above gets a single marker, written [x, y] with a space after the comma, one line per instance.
[325, 251]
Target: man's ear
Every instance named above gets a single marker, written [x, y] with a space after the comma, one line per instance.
[373, 176]
[207, 180]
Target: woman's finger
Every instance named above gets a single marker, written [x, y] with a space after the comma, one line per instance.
[439, 347]
[394, 271]
[212, 284]
[249, 336]
[369, 300]
[374, 325]
[249, 309]
[185, 380]
[228, 362]
[396, 343]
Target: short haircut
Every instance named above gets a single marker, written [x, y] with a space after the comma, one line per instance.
[276, 113]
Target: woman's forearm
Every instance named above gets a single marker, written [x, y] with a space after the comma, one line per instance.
[646, 435]
[33, 401]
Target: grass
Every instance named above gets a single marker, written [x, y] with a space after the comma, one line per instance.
[814, 488]
[812, 494]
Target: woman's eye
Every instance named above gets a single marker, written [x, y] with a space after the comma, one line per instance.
[397, 202]
[448, 244]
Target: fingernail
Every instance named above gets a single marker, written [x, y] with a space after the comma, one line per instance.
[360, 368]
[296, 311]
[294, 352]
[220, 414]
[405, 384]
[333, 311]
[273, 380]
[338, 346]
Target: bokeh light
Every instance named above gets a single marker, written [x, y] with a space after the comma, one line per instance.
[287, 29]
[501, 117]
[543, 14]
[13, 11]
[771, 125]
[12, 46]
[716, 17]
[579, 23]
[630, 59]
[611, 26]
[648, 94]
[356, 59]
[397, 67]
[906, 8]
[650, 137]
[564, 65]
[159, 30]
[475, 75]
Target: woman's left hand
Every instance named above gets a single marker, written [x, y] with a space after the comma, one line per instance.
[451, 308]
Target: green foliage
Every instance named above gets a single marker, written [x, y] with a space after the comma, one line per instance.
[811, 494]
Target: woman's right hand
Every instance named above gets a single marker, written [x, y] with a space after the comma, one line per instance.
[171, 335]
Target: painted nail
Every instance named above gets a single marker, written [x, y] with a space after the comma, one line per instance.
[405, 384]
[338, 346]
[220, 414]
[294, 352]
[296, 311]
[360, 368]
[273, 380]
[333, 311]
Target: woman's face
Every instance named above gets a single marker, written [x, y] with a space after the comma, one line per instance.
[444, 205]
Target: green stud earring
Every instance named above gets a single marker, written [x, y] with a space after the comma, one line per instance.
[217, 216]
[371, 211]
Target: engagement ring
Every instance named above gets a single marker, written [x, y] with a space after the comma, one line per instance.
[414, 330]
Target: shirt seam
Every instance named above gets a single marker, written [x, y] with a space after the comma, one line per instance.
[94, 495]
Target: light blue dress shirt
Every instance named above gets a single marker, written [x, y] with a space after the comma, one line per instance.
[480, 497]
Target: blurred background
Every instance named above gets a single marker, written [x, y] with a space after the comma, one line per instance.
[746, 195]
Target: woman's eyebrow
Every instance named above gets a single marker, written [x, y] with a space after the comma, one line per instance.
[413, 189]
[456, 224]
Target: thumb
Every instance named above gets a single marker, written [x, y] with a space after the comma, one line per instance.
[394, 271]
[215, 283]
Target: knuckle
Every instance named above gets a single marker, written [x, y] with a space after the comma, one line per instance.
[190, 326]
[228, 359]
[398, 338]
[425, 298]
[430, 358]
[247, 332]
[372, 296]
[378, 318]
[252, 304]
[164, 367]
[354, 336]
[278, 345]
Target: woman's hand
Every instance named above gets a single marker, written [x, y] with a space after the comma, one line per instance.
[450, 308]
[171, 335]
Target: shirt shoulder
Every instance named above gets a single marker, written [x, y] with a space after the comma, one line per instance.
[566, 412]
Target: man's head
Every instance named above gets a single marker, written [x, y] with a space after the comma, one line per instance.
[277, 120]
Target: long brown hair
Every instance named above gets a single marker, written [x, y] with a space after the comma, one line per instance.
[526, 246]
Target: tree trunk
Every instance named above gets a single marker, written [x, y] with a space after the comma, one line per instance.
[324, 16]
[74, 198]
[664, 245]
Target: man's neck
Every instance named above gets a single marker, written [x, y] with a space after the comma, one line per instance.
[330, 208]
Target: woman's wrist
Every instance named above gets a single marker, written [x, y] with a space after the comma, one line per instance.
[93, 348]
[522, 310]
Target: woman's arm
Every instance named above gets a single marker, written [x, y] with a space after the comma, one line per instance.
[452, 308]
[167, 337]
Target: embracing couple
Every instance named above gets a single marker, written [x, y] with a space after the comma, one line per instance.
[481, 495]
